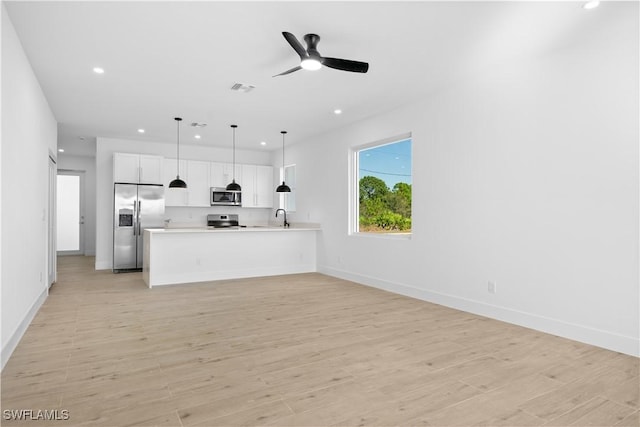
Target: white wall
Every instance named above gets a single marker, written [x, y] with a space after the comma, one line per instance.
[28, 135]
[105, 147]
[88, 166]
[526, 175]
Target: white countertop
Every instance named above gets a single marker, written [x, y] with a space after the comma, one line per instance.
[249, 228]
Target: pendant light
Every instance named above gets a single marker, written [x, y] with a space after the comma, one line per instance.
[234, 186]
[178, 183]
[283, 188]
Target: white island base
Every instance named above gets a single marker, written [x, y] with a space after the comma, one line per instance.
[173, 256]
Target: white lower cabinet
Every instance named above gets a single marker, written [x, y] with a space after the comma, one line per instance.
[257, 186]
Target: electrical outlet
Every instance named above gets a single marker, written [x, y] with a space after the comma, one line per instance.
[491, 287]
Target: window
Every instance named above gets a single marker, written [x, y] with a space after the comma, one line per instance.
[382, 187]
[288, 200]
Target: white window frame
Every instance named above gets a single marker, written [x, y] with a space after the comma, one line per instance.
[284, 201]
[354, 189]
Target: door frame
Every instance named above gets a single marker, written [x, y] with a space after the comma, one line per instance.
[81, 175]
[52, 255]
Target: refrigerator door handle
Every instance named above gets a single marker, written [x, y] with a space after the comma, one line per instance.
[135, 218]
[138, 221]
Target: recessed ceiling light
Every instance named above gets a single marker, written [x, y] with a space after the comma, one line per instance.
[263, 143]
[60, 150]
[98, 70]
[591, 4]
[337, 111]
[140, 130]
[197, 137]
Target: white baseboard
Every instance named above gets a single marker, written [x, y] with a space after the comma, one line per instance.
[103, 265]
[597, 337]
[12, 343]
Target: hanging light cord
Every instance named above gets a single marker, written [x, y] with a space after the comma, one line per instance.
[178, 149]
[234, 152]
[283, 133]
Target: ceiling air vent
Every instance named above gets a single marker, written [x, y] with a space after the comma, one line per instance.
[239, 87]
[198, 125]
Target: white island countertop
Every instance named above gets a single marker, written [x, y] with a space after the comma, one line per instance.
[199, 254]
[234, 229]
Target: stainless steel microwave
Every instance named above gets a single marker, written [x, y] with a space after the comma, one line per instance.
[220, 196]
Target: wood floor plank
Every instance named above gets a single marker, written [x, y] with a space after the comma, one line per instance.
[297, 350]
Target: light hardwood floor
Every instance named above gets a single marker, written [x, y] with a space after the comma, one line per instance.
[300, 350]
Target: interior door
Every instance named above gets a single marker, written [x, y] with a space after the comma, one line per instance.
[70, 212]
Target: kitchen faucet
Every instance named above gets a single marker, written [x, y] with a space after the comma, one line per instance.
[285, 224]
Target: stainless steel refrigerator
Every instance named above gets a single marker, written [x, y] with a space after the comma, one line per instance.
[136, 207]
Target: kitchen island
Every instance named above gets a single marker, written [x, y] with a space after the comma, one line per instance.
[187, 255]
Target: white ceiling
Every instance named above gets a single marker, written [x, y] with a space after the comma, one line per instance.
[168, 59]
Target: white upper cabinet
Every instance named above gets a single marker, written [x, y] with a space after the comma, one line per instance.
[196, 174]
[151, 169]
[175, 196]
[264, 186]
[137, 168]
[221, 174]
[257, 186]
[197, 178]
[256, 182]
[248, 184]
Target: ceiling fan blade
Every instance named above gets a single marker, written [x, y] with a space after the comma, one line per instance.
[295, 44]
[346, 65]
[289, 71]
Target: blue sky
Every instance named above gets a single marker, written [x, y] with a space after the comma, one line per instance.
[391, 162]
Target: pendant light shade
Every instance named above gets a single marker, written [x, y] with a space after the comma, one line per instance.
[283, 188]
[234, 186]
[178, 183]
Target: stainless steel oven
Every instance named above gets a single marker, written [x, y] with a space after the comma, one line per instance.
[220, 196]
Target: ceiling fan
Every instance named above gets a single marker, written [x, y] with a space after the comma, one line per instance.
[310, 59]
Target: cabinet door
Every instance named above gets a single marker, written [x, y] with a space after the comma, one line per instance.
[249, 195]
[126, 168]
[151, 169]
[174, 196]
[264, 187]
[222, 173]
[198, 183]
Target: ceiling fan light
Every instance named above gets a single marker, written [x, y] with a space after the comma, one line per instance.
[591, 4]
[310, 64]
